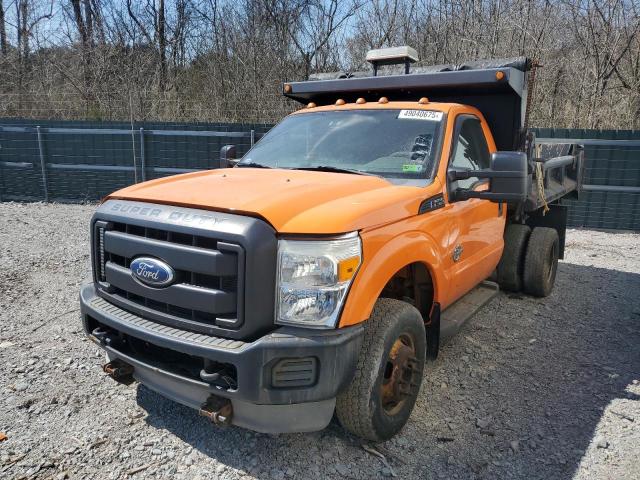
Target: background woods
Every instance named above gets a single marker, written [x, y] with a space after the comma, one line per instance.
[216, 60]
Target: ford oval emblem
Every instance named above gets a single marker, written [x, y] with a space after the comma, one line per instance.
[152, 271]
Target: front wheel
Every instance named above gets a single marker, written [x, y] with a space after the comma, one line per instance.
[379, 400]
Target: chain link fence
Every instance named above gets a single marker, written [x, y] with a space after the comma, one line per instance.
[79, 161]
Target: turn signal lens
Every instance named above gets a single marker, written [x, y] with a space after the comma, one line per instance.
[347, 268]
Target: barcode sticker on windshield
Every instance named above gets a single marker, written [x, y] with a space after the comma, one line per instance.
[421, 115]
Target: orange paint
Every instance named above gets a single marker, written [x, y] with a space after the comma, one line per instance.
[386, 215]
[431, 239]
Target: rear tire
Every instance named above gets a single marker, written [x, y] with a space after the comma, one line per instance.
[541, 262]
[511, 266]
[379, 400]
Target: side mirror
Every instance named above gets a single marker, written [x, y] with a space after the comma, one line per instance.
[509, 177]
[228, 156]
[513, 184]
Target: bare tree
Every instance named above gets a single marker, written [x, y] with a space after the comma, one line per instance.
[220, 60]
[3, 31]
[311, 25]
[162, 44]
[84, 23]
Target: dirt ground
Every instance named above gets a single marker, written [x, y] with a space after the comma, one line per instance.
[531, 388]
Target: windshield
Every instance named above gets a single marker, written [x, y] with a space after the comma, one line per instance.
[390, 143]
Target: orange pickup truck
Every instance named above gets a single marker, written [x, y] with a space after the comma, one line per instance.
[318, 274]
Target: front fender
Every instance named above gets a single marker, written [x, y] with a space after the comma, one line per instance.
[383, 256]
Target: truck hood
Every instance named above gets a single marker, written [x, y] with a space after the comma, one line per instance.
[292, 201]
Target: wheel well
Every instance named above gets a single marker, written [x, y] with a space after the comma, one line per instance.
[412, 284]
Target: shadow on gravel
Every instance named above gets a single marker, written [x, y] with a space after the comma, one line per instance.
[539, 372]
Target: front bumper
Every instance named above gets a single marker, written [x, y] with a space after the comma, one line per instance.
[261, 400]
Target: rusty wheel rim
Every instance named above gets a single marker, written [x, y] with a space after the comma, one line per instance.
[399, 382]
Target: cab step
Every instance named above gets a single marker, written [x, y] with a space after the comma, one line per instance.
[454, 317]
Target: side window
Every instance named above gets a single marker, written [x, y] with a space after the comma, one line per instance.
[470, 149]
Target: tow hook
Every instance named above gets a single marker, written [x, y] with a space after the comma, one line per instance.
[217, 409]
[118, 370]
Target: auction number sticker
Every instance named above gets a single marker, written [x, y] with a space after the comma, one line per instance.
[429, 115]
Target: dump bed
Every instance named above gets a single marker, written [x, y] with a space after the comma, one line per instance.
[556, 172]
[501, 97]
[498, 88]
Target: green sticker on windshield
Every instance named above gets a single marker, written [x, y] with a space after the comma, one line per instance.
[411, 167]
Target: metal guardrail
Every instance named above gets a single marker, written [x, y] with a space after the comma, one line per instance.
[123, 131]
[591, 141]
[611, 188]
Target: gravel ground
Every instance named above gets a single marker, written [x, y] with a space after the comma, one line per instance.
[529, 389]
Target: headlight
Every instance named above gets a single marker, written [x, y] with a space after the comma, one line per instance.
[313, 279]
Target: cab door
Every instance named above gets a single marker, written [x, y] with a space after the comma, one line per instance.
[476, 226]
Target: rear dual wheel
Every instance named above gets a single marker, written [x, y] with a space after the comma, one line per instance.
[541, 262]
[511, 266]
[379, 400]
[529, 260]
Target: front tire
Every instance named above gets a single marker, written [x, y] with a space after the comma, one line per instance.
[379, 400]
[541, 262]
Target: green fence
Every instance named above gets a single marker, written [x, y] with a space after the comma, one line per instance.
[611, 193]
[84, 161]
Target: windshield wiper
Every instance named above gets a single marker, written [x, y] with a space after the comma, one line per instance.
[329, 168]
[252, 165]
